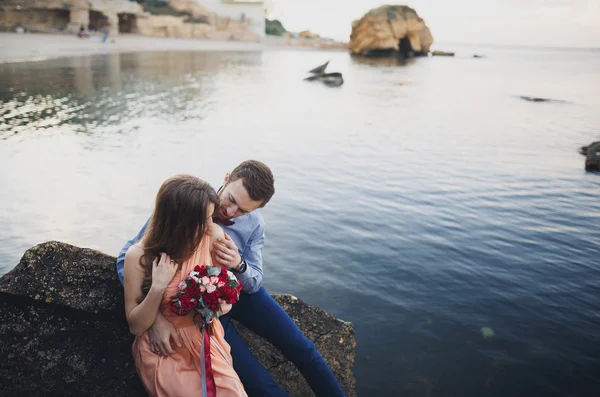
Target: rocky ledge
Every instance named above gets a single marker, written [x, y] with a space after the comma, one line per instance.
[63, 330]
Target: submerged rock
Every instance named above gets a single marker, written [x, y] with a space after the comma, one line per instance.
[390, 30]
[329, 79]
[540, 99]
[64, 331]
[487, 333]
[334, 79]
[592, 154]
[442, 54]
[534, 99]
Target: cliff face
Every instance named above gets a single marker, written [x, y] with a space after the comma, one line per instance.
[64, 333]
[389, 30]
[177, 19]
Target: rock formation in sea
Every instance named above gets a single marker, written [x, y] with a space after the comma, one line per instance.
[334, 79]
[439, 53]
[592, 156]
[63, 330]
[390, 30]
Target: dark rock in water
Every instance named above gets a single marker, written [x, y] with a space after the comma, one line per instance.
[330, 79]
[534, 99]
[442, 54]
[63, 330]
[478, 56]
[540, 99]
[319, 69]
[592, 154]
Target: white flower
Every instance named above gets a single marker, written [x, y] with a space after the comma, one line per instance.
[211, 288]
[181, 285]
[205, 280]
[214, 280]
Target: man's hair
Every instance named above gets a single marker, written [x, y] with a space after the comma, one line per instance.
[257, 178]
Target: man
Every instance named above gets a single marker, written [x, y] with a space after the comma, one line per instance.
[249, 188]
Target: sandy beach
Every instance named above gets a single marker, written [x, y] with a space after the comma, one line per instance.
[32, 47]
[35, 47]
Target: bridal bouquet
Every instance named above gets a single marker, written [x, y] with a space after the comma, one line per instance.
[202, 289]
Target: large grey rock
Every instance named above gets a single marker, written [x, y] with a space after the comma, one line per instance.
[63, 330]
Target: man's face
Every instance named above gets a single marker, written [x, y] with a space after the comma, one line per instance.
[235, 200]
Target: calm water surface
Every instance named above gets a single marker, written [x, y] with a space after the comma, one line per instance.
[422, 202]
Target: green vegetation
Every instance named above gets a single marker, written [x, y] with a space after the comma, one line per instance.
[391, 11]
[161, 7]
[274, 27]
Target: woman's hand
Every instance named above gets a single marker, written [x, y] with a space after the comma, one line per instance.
[225, 307]
[163, 270]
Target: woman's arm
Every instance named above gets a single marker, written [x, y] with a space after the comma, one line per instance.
[140, 316]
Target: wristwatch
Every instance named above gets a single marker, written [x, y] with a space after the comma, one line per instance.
[241, 267]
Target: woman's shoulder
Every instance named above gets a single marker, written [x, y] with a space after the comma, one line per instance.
[134, 252]
[214, 232]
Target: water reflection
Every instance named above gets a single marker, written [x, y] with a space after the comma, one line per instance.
[88, 93]
[383, 61]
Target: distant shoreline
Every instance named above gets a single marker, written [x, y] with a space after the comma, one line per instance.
[37, 46]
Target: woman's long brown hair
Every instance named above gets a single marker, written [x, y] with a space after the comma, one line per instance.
[178, 222]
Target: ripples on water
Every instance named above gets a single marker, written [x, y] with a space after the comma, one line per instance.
[433, 178]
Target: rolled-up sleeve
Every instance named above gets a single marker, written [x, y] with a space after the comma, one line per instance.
[252, 278]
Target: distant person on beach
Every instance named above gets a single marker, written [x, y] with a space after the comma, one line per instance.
[154, 267]
[82, 34]
[105, 37]
[248, 188]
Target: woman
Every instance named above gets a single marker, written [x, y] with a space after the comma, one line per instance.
[179, 237]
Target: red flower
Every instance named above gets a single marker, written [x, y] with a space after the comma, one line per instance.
[212, 300]
[196, 268]
[229, 294]
[186, 303]
[202, 272]
[193, 290]
[224, 275]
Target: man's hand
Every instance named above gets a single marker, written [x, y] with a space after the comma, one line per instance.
[227, 252]
[160, 334]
